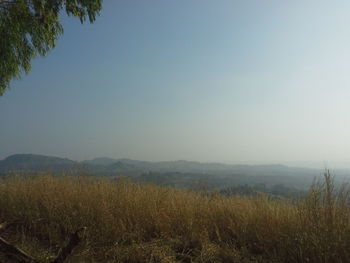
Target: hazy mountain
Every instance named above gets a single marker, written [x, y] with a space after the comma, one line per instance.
[176, 173]
[182, 166]
[101, 161]
[33, 162]
[37, 163]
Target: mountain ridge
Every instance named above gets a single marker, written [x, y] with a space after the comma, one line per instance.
[37, 162]
[180, 173]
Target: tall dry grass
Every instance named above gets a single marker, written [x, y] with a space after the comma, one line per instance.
[127, 222]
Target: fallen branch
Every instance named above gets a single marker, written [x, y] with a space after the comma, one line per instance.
[67, 250]
[12, 251]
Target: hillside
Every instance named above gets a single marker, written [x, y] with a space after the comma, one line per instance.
[32, 163]
[126, 222]
[171, 173]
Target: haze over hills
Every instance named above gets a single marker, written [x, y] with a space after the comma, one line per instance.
[100, 161]
[179, 173]
[36, 163]
[41, 163]
[199, 167]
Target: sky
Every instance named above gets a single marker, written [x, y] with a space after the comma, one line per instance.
[213, 81]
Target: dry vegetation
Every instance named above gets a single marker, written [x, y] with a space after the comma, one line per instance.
[133, 223]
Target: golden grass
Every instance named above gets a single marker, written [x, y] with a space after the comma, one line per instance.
[127, 222]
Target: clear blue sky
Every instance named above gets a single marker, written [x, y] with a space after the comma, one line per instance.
[233, 81]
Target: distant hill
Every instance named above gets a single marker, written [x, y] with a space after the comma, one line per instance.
[105, 165]
[100, 161]
[183, 166]
[173, 173]
[37, 163]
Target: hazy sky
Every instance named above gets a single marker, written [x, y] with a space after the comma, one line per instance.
[232, 81]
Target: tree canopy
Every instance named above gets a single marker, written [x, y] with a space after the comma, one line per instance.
[30, 28]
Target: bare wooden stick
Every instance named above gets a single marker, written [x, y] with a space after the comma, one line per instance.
[67, 250]
[20, 256]
[13, 251]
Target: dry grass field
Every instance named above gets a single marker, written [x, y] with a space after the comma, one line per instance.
[126, 222]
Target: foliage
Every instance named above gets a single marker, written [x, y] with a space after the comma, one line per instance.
[29, 28]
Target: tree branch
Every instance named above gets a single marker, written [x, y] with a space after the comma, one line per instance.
[12, 251]
[67, 250]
